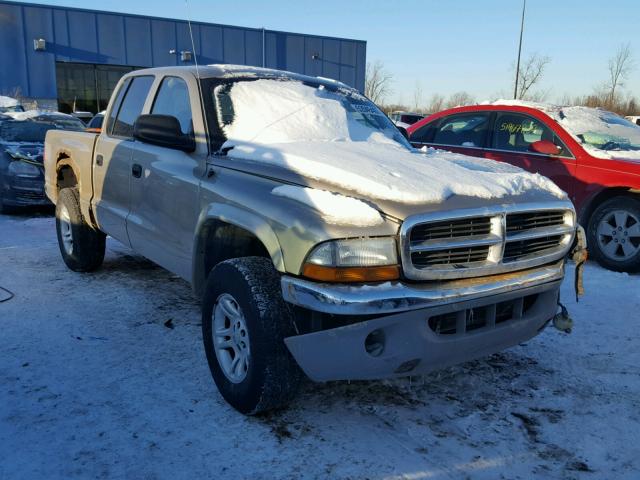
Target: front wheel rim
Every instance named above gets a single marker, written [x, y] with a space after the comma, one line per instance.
[65, 230]
[618, 235]
[231, 338]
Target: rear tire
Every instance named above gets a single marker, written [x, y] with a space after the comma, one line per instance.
[613, 234]
[82, 247]
[244, 323]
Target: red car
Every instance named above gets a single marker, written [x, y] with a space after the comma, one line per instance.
[592, 154]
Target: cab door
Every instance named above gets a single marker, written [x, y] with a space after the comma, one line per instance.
[112, 158]
[165, 188]
[512, 136]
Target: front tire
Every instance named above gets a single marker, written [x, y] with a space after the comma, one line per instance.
[244, 323]
[82, 247]
[613, 234]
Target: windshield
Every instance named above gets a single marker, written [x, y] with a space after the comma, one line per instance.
[270, 111]
[601, 130]
[32, 132]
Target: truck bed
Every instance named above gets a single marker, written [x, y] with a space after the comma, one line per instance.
[66, 144]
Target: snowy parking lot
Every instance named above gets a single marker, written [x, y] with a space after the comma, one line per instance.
[103, 375]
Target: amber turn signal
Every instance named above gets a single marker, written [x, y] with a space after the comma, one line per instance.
[350, 274]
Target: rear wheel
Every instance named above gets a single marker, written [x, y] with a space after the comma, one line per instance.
[614, 234]
[244, 323]
[82, 247]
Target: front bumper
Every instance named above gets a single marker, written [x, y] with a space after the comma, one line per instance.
[404, 336]
[23, 191]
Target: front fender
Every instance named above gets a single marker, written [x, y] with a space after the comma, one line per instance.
[238, 217]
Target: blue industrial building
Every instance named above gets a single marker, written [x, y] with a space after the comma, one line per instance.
[71, 58]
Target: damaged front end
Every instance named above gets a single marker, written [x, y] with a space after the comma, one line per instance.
[23, 176]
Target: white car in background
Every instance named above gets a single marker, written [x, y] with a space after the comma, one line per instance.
[634, 118]
[405, 119]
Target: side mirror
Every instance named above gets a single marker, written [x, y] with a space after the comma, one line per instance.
[545, 147]
[404, 132]
[164, 131]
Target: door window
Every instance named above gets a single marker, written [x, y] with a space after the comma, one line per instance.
[465, 130]
[514, 131]
[132, 105]
[173, 99]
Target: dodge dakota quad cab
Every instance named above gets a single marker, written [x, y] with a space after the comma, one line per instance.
[319, 240]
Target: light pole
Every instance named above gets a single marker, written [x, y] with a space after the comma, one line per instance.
[515, 89]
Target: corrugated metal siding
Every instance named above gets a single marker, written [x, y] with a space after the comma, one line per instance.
[75, 35]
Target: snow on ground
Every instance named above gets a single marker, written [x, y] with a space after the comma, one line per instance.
[103, 375]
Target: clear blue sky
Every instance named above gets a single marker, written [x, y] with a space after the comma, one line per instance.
[446, 46]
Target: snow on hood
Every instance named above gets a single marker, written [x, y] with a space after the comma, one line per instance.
[8, 102]
[391, 172]
[592, 128]
[340, 138]
[334, 208]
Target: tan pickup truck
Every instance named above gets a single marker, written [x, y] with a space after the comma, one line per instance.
[321, 243]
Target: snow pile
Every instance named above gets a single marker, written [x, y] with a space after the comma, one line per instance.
[595, 127]
[334, 208]
[8, 102]
[343, 140]
[592, 128]
[276, 111]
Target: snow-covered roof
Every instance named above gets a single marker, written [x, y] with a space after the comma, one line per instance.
[8, 102]
[36, 113]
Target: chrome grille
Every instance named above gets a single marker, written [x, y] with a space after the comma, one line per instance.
[522, 248]
[517, 222]
[451, 229]
[478, 242]
[450, 256]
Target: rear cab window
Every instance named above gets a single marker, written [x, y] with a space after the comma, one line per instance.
[173, 99]
[131, 106]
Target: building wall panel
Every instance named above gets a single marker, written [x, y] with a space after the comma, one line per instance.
[111, 39]
[138, 41]
[12, 52]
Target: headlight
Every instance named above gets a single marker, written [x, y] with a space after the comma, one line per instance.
[22, 169]
[353, 260]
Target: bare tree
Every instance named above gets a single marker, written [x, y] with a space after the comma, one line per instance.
[417, 96]
[436, 103]
[531, 71]
[620, 65]
[377, 81]
[458, 99]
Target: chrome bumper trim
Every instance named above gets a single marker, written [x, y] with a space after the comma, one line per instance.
[395, 297]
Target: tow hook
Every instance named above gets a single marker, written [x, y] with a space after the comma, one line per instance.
[562, 321]
[579, 255]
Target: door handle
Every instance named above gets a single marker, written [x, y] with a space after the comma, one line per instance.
[136, 170]
[99, 160]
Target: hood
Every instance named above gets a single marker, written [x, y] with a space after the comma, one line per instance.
[30, 152]
[394, 180]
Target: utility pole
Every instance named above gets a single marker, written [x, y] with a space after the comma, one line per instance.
[515, 89]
